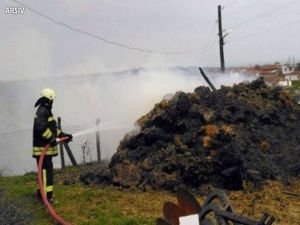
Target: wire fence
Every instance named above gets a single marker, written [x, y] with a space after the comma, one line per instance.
[16, 148]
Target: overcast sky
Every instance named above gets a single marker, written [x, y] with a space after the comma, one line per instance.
[32, 46]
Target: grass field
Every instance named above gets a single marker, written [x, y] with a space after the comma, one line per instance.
[81, 205]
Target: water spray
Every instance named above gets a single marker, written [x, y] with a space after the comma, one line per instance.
[97, 128]
[85, 131]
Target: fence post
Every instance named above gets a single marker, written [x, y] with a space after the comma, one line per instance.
[98, 140]
[61, 148]
[83, 152]
[68, 150]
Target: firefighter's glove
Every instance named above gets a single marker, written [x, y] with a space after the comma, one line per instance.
[69, 136]
[53, 141]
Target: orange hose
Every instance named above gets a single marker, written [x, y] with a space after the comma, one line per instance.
[42, 192]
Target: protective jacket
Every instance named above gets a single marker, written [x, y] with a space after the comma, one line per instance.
[44, 131]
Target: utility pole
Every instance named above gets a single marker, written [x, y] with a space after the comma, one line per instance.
[221, 39]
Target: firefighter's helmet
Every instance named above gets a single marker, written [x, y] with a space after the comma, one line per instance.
[48, 93]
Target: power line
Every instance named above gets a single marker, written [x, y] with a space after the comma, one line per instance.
[266, 14]
[107, 41]
[244, 8]
[266, 31]
[230, 3]
[210, 40]
[211, 51]
[212, 56]
[212, 48]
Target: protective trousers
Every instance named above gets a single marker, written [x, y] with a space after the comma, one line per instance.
[47, 177]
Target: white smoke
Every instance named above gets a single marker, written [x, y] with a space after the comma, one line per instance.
[117, 99]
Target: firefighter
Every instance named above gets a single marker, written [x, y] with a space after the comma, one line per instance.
[45, 132]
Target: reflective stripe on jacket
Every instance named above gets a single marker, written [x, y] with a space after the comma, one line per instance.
[44, 129]
[37, 151]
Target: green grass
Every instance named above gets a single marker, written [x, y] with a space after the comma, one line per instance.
[295, 85]
[85, 205]
[79, 204]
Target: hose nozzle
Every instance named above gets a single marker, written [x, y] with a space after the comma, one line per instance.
[62, 139]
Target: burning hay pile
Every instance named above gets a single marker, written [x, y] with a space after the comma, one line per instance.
[248, 132]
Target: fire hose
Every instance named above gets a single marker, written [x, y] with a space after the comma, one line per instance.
[41, 186]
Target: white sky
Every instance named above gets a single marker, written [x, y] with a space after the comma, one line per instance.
[32, 46]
